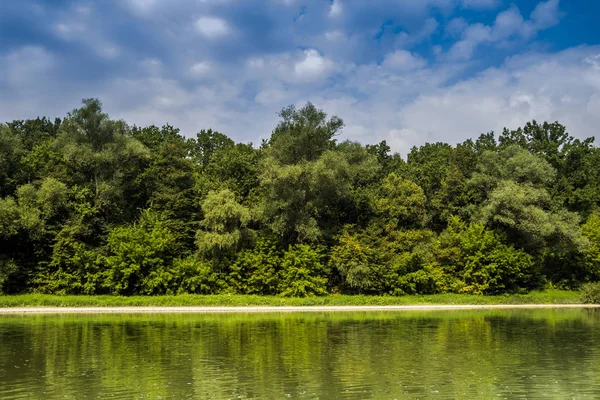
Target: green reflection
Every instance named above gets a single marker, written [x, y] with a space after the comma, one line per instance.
[447, 354]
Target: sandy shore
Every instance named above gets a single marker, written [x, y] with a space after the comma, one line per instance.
[270, 309]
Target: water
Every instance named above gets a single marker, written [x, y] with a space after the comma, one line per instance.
[512, 354]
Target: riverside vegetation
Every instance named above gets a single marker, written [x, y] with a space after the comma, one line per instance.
[90, 205]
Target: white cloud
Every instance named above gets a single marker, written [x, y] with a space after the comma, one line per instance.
[274, 95]
[546, 14]
[142, 5]
[301, 67]
[313, 66]
[509, 24]
[31, 63]
[405, 107]
[200, 68]
[336, 8]
[212, 27]
[334, 35]
[403, 60]
[384, 92]
[472, 36]
[78, 25]
[559, 87]
[69, 30]
[152, 66]
[143, 8]
[29, 87]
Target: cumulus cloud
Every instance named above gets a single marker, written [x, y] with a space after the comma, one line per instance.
[546, 14]
[509, 24]
[212, 27]
[561, 87]
[313, 66]
[336, 8]
[31, 63]
[403, 60]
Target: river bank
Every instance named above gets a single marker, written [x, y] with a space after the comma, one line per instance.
[32, 301]
[267, 309]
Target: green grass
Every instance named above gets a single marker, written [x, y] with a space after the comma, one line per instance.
[39, 300]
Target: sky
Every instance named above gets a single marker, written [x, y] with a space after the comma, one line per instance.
[404, 71]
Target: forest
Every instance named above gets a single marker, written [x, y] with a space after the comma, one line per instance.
[91, 205]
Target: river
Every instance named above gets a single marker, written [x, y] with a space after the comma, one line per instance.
[461, 354]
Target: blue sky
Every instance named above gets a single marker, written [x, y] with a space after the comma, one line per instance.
[405, 71]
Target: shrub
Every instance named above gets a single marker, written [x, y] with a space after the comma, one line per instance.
[303, 274]
[256, 271]
[355, 262]
[590, 293]
[141, 256]
[192, 275]
[478, 258]
[8, 267]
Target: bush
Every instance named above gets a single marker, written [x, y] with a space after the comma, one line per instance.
[256, 271]
[478, 258]
[75, 267]
[8, 267]
[590, 293]
[303, 274]
[194, 276]
[356, 263]
[140, 256]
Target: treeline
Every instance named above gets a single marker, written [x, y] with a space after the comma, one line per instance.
[90, 205]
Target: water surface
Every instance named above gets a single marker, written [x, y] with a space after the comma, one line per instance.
[513, 354]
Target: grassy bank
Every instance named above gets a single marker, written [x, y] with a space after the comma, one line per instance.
[37, 300]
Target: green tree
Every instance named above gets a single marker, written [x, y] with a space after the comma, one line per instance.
[233, 167]
[590, 270]
[400, 202]
[224, 226]
[206, 144]
[11, 153]
[303, 135]
[517, 202]
[101, 155]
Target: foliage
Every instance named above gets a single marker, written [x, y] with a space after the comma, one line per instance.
[590, 293]
[193, 275]
[257, 270]
[481, 263]
[8, 268]
[302, 272]
[223, 226]
[356, 262]
[140, 256]
[90, 205]
[518, 203]
[400, 202]
[303, 135]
